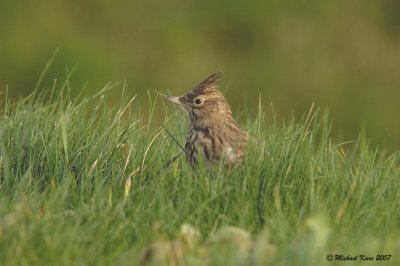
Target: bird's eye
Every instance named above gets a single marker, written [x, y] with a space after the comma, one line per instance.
[198, 101]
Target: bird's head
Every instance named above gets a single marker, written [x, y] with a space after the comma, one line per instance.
[205, 101]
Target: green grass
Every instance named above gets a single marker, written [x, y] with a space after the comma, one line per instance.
[84, 183]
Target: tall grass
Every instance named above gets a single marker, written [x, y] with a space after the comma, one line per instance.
[82, 182]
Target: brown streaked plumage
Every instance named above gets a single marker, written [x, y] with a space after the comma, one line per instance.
[213, 132]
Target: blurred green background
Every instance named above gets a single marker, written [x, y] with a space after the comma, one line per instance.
[343, 55]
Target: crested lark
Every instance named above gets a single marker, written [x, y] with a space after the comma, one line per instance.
[213, 132]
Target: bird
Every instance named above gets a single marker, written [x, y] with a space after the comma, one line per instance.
[213, 135]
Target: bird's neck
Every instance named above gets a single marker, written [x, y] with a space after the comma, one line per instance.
[215, 125]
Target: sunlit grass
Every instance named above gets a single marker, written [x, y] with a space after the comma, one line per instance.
[85, 183]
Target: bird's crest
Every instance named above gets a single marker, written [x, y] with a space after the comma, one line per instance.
[209, 83]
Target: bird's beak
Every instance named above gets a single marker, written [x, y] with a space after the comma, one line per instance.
[173, 99]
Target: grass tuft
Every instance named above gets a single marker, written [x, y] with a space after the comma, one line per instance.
[82, 182]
